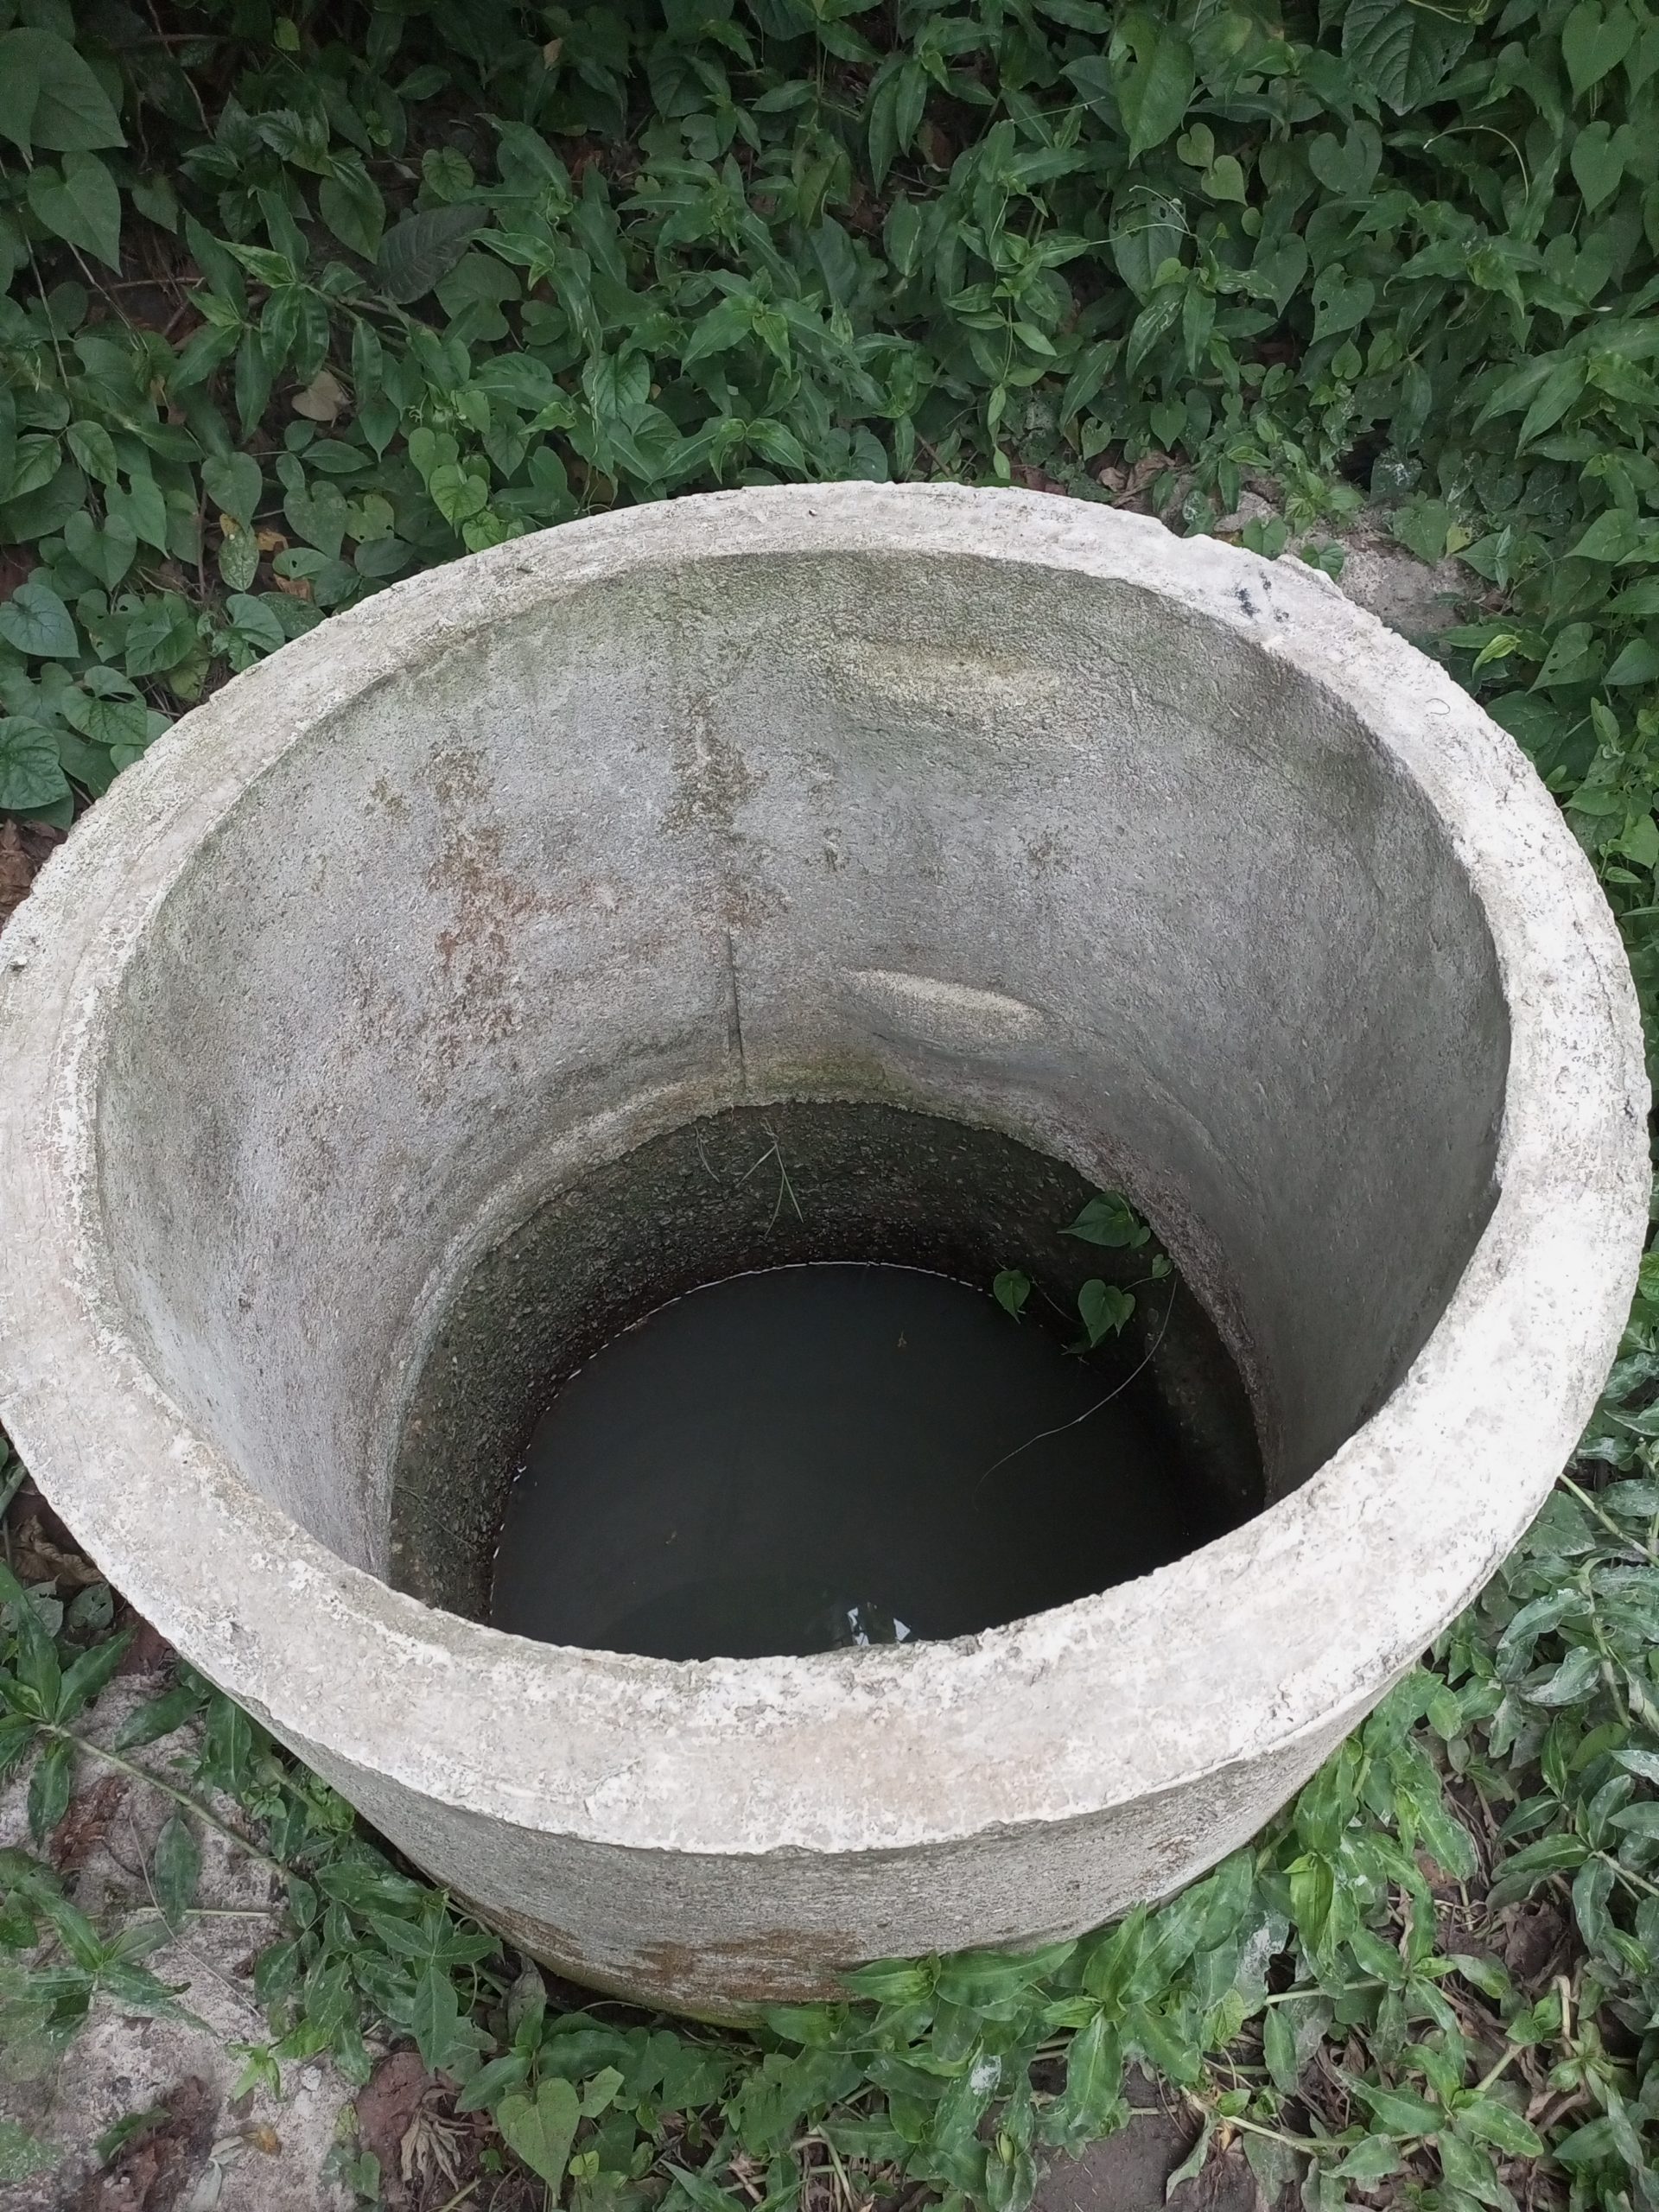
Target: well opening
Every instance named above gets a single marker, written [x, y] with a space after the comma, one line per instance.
[853, 1443]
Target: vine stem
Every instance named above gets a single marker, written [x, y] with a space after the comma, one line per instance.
[1502, 2066]
[1607, 1522]
[1348, 1989]
[1305, 2146]
[168, 1789]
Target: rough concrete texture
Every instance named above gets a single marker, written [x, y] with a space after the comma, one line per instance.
[260, 2153]
[1414, 597]
[1019, 811]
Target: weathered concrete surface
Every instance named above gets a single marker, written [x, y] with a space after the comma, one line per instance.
[1008, 808]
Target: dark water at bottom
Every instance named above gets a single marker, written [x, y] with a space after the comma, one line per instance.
[809, 1457]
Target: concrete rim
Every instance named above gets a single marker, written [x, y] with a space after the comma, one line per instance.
[1333, 1591]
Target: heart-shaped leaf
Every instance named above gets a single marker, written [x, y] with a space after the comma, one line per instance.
[1592, 43]
[232, 482]
[78, 202]
[106, 553]
[414, 253]
[50, 97]
[1154, 76]
[1103, 1309]
[1340, 302]
[142, 506]
[1347, 166]
[456, 493]
[1599, 160]
[35, 620]
[31, 775]
[541, 2129]
[1400, 49]
[316, 512]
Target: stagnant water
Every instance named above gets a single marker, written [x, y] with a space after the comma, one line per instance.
[820, 1455]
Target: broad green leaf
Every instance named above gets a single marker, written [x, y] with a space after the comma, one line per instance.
[148, 1723]
[1154, 76]
[78, 201]
[1401, 2112]
[1609, 537]
[143, 508]
[418, 251]
[491, 2083]
[91, 1673]
[1278, 2048]
[94, 448]
[238, 554]
[1400, 49]
[233, 482]
[1011, 1288]
[258, 624]
[540, 2129]
[107, 720]
[34, 462]
[1340, 302]
[1094, 2078]
[1347, 167]
[316, 512]
[1594, 41]
[1151, 327]
[50, 97]
[981, 1980]
[891, 1981]
[456, 493]
[36, 514]
[435, 2015]
[1104, 1310]
[228, 1758]
[49, 1786]
[349, 203]
[1492, 2122]
[1466, 2167]
[1639, 662]
[1372, 2161]
[161, 636]
[1599, 160]
[1110, 1221]
[35, 620]
[177, 1866]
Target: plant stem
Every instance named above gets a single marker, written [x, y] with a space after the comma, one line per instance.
[1306, 2146]
[1607, 1522]
[168, 1789]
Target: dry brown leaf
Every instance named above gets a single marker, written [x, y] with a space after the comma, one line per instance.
[85, 1825]
[17, 869]
[270, 541]
[323, 400]
[296, 587]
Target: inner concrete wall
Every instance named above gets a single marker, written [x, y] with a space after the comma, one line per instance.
[1036, 850]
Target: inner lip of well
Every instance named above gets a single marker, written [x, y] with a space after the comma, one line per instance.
[876, 1183]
